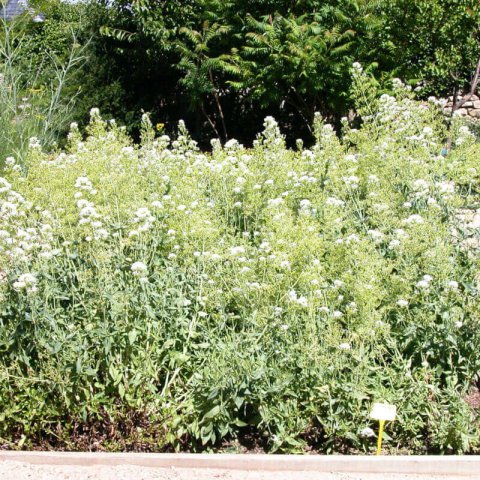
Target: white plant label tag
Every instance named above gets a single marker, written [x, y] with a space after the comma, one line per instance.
[383, 411]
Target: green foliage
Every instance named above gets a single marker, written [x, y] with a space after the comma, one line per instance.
[295, 60]
[201, 69]
[436, 42]
[270, 291]
[36, 94]
[223, 66]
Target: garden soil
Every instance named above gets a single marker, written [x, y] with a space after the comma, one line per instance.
[26, 471]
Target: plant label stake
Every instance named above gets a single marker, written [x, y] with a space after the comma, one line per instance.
[382, 412]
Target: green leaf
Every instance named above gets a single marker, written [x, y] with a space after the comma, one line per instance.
[213, 412]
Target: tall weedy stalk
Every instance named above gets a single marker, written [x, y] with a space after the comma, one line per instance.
[33, 102]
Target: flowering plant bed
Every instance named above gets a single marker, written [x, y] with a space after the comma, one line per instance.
[156, 297]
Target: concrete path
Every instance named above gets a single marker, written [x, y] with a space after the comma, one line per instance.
[25, 471]
[141, 466]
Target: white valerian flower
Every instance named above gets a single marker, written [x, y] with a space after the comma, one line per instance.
[293, 297]
[446, 189]
[367, 432]
[402, 303]
[357, 67]
[353, 238]
[334, 202]
[142, 213]
[237, 250]
[423, 284]
[352, 307]
[345, 346]
[139, 269]
[351, 181]
[84, 203]
[302, 301]
[4, 185]
[34, 142]
[415, 218]
[452, 285]
[157, 204]
[375, 235]
[27, 282]
[397, 83]
[275, 202]
[421, 185]
[100, 234]
[394, 244]
[83, 183]
[89, 212]
[265, 247]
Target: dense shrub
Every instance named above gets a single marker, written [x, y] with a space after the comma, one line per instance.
[185, 299]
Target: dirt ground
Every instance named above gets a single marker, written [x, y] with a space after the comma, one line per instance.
[24, 471]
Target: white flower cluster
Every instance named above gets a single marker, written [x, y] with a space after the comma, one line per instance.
[299, 300]
[88, 215]
[87, 212]
[27, 282]
[143, 220]
[464, 136]
[139, 269]
[425, 282]
[84, 184]
[22, 233]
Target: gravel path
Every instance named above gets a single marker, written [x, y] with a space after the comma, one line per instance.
[25, 471]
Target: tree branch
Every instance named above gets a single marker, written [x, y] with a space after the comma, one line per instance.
[473, 88]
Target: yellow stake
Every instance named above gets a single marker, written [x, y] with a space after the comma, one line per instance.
[380, 435]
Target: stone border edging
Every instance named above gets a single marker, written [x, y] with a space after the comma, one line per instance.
[434, 465]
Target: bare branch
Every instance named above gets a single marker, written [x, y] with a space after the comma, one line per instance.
[473, 88]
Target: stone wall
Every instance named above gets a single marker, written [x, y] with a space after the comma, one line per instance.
[470, 109]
